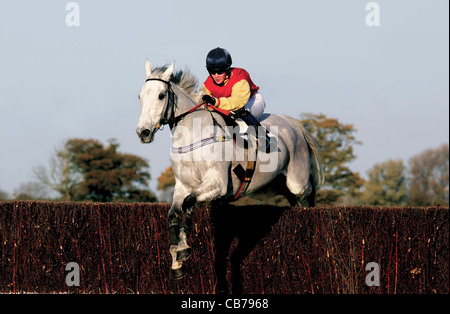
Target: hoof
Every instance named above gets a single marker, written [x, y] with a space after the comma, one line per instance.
[184, 254]
[179, 273]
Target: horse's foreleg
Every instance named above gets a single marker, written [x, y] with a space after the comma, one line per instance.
[184, 251]
[178, 270]
[205, 192]
[174, 227]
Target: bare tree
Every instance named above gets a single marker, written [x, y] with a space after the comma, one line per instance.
[58, 176]
[31, 191]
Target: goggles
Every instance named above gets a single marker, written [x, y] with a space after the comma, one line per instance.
[217, 71]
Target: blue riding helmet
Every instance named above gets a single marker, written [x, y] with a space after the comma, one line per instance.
[218, 59]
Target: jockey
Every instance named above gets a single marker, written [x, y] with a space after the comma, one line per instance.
[232, 89]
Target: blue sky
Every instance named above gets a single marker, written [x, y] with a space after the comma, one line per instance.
[59, 82]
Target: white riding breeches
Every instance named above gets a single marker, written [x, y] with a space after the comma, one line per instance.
[256, 105]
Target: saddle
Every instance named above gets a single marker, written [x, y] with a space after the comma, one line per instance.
[250, 120]
[245, 175]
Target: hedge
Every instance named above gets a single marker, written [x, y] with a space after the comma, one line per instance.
[123, 248]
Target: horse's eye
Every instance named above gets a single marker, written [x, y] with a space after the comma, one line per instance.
[161, 96]
[139, 96]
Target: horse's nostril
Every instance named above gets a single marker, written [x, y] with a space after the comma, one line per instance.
[146, 132]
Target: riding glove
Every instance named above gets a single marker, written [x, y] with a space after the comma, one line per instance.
[209, 99]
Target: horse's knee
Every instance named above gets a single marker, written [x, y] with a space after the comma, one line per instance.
[189, 202]
[172, 215]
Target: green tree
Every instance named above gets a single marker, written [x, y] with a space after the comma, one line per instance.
[86, 170]
[429, 177]
[337, 140]
[386, 185]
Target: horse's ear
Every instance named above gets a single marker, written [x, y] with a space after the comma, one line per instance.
[168, 73]
[148, 69]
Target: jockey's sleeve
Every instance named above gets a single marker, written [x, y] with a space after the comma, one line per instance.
[240, 94]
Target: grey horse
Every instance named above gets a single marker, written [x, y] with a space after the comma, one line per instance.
[204, 154]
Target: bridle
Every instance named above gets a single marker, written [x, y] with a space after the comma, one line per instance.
[167, 118]
[170, 119]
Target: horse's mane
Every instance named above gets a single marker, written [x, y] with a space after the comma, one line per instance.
[184, 79]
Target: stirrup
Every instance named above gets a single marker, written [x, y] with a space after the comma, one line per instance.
[243, 126]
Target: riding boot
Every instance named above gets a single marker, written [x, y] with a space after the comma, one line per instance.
[265, 138]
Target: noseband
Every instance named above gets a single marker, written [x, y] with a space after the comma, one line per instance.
[167, 118]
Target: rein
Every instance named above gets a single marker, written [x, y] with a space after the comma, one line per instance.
[171, 120]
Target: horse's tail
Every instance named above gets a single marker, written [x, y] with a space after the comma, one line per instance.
[314, 146]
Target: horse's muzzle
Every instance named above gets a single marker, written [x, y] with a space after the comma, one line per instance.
[146, 135]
